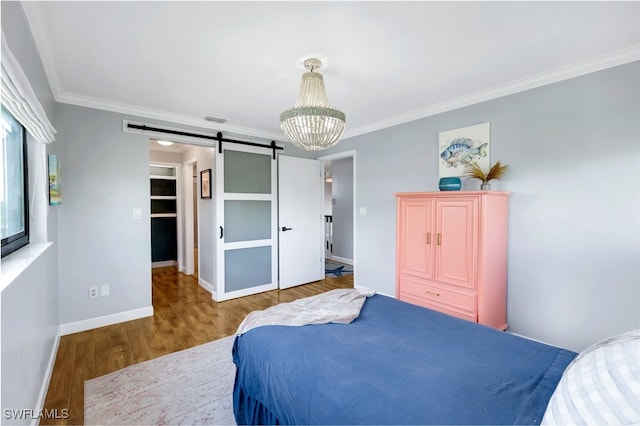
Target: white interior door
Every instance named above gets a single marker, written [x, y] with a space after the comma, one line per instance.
[301, 221]
[246, 210]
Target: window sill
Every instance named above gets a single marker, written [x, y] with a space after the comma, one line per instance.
[18, 262]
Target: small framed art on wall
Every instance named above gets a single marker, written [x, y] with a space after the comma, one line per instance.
[205, 183]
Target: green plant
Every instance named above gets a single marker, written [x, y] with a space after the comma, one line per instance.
[473, 171]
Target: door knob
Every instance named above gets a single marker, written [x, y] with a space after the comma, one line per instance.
[284, 228]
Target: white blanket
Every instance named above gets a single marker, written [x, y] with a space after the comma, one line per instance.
[337, 306]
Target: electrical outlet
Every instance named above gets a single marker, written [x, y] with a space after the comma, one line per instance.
[93, 292]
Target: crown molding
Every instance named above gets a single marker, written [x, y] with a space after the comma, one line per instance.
[613, 59]
[90, 102]
[599, 63]
[39, 28]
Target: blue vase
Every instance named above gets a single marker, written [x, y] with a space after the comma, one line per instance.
[450, 184]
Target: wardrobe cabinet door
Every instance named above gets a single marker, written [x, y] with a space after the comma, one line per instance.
[416, 239]
[456, 241]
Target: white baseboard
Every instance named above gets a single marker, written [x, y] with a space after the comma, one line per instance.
[47, 376]
[529, 338]
[342, 259]
[361, 287]
[207, 286]
[75, 327]
[164, 263]
[393, 296]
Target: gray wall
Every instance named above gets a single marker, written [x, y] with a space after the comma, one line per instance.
[29, 306]
[342, 209]
[29, 327]
[574, 156]
[105, 175]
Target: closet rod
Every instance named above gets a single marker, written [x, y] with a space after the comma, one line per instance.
[218, 137]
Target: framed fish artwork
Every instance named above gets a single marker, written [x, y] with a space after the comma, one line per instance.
[458, 148]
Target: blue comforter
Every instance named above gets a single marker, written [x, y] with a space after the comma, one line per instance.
[396, 364]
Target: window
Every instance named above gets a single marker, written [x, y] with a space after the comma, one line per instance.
[14, 202]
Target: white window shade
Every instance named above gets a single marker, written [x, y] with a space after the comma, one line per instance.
[20, 100]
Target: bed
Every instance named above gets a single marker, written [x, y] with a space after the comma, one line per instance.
[395, 364]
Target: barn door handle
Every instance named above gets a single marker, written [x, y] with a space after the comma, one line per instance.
[221, 232]
[284, 228]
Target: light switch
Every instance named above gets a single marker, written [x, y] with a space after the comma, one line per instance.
[137, 212]
[363, 211]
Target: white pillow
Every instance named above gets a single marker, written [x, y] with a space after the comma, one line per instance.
[600, 386]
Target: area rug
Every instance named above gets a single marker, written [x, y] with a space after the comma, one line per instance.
[193, 386]
[334, 269]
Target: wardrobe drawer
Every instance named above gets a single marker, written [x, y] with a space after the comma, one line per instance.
[458, 300]
[445, 309]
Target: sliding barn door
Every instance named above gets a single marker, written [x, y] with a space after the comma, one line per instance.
[246, 210]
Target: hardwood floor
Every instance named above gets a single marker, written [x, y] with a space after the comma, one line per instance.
[184, 316]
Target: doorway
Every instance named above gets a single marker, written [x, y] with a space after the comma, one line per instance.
[339, 208]
[183, 159]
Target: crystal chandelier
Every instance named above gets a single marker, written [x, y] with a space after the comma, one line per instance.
[311, 124]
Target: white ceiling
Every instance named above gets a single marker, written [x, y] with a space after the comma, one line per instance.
[389, 62]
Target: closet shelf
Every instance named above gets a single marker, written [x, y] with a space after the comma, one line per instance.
[154, 215]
